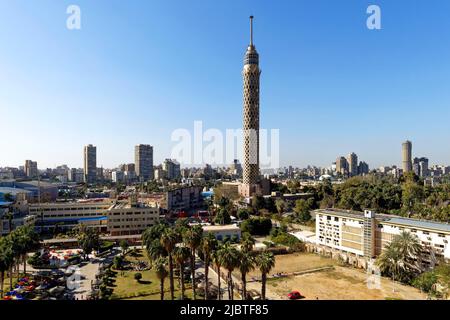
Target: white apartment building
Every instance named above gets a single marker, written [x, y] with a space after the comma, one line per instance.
[366, 234]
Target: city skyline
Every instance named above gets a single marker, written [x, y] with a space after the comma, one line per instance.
[121, 93]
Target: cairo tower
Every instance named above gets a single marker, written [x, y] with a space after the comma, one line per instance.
[251, 74]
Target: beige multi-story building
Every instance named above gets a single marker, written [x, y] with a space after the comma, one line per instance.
[114, 217]
[352, 160]
[128, 218]
[342, 165]
[67, 215]
[407, 156]
[31, 169]
[366, 234]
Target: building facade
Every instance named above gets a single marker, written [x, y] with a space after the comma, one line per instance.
[90, 163]
[183, 198]
[31, 169]
[352, 164]
[128, 218]
[366, 234]
[143, 160]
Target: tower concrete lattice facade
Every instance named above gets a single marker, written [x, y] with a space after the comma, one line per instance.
[251, 75]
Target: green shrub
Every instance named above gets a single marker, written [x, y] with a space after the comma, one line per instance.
[257, 226]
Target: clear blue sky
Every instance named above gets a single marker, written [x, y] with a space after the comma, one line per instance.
[137, 70]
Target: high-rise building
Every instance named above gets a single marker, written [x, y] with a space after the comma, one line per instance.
[251, 76]
[172, 169]
[342, 165]
[352, 160]
[363, 168]
[407, 156]
[143, 160]
[420, 167]
[90, 164]
[31, 169]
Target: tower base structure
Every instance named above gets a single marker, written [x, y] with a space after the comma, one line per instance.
[260, 189]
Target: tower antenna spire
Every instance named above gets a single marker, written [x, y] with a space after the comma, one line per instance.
[251, 30]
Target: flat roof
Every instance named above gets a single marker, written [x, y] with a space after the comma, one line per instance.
[221, 227]
[14, 191]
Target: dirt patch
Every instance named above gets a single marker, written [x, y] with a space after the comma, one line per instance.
[342, 283]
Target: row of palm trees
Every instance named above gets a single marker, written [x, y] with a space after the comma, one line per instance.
[13, 251]
[170, 247]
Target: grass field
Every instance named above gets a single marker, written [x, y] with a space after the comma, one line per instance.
[127, 288]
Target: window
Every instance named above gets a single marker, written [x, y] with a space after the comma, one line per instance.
[328, 218]
[336, 219]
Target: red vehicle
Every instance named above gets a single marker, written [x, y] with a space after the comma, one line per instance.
[294, 295]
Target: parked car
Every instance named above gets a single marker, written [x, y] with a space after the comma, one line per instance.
[294, 295]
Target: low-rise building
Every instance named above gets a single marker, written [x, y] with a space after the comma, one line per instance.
[222, 232]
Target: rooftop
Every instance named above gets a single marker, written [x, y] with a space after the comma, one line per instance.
[409, 222]
[221, 227]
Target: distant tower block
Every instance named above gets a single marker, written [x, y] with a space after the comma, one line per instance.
[407, 156]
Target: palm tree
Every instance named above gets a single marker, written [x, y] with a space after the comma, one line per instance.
[208, 245]
[409, 249]
[247, 242]
[155, 250]
[229, 257]
[161, 273]
[6, 261]
[246, 264]
[218, 263]
[181, 254]
[400, 257]
[153, 233]
[192, 238]
[169, 239]
[389, 261]
[265, 262]
[29, 241]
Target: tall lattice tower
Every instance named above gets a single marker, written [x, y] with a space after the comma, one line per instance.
[251, 74]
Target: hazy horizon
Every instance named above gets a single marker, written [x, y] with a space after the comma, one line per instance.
[137, 71]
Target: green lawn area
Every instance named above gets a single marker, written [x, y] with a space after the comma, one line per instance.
[127, 288]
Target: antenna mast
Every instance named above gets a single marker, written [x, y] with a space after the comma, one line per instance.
[251, 30]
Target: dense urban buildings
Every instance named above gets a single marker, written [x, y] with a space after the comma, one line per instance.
[90, 164]
[143, 159]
